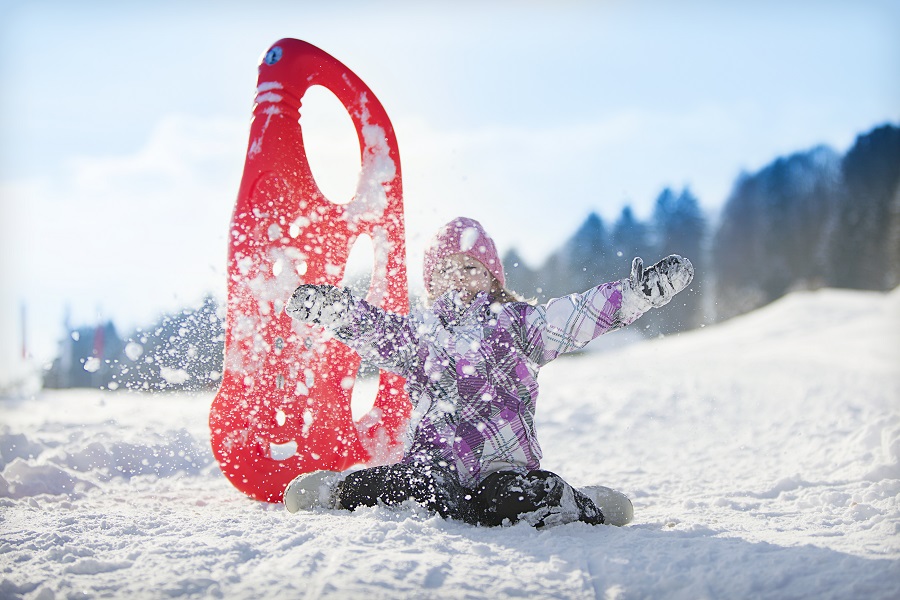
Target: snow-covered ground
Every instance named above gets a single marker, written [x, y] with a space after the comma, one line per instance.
[762, 454]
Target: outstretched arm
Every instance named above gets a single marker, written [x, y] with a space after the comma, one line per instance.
[385, 339]
[569, 323]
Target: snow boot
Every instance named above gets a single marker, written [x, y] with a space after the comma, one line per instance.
[616, 507]
[318, 489]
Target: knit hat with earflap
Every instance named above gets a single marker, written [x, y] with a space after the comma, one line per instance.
[463, 236]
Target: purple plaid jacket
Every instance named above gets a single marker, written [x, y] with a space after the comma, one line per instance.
[471, 371]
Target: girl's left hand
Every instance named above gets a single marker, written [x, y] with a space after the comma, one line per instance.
[659, 283]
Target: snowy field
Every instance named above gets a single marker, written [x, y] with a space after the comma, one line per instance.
[762, 455]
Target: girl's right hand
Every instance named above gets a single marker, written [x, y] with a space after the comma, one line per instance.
[321, 304]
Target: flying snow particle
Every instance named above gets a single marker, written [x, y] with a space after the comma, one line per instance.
[133, 350]
[174, 376]
[468, 238]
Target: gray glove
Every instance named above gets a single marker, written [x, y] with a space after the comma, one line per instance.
[658, 284]
[324, 305]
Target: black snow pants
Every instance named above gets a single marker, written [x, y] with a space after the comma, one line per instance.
[538, 497]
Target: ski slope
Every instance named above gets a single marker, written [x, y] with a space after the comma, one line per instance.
[762, 455]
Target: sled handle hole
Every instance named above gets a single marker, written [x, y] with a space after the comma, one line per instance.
[283, 451]
[333, 150]
[359, 266]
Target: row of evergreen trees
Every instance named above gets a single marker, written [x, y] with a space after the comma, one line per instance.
[182, 351]
[808, 220]
[597, 253]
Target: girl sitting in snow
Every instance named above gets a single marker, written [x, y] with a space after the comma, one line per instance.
[471, 362]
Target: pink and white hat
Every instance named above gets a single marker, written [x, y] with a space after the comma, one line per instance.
[463, 236]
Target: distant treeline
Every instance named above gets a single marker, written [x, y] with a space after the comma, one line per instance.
[809, 220]
[182, 351]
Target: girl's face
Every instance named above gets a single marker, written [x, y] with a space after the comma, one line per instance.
[462, 274]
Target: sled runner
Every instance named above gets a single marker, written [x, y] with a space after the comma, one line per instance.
[283, 406]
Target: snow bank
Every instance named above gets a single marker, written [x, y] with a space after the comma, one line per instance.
[71, 459]
[762, 455]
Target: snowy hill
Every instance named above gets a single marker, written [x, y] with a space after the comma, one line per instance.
[762, 454]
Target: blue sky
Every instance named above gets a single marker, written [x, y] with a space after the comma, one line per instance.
[124, 125]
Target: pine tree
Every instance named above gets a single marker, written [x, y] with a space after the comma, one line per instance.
[893, 242]
[182, 351]
[774, 228]
[738, 250]
[861, 253]
[519, 276]
[680, 228]
[630, 238]
[586, 256]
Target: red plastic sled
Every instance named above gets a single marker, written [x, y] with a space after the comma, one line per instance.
[284, 383]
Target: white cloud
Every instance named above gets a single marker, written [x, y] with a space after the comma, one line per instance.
[122, 236]
[181, 152]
